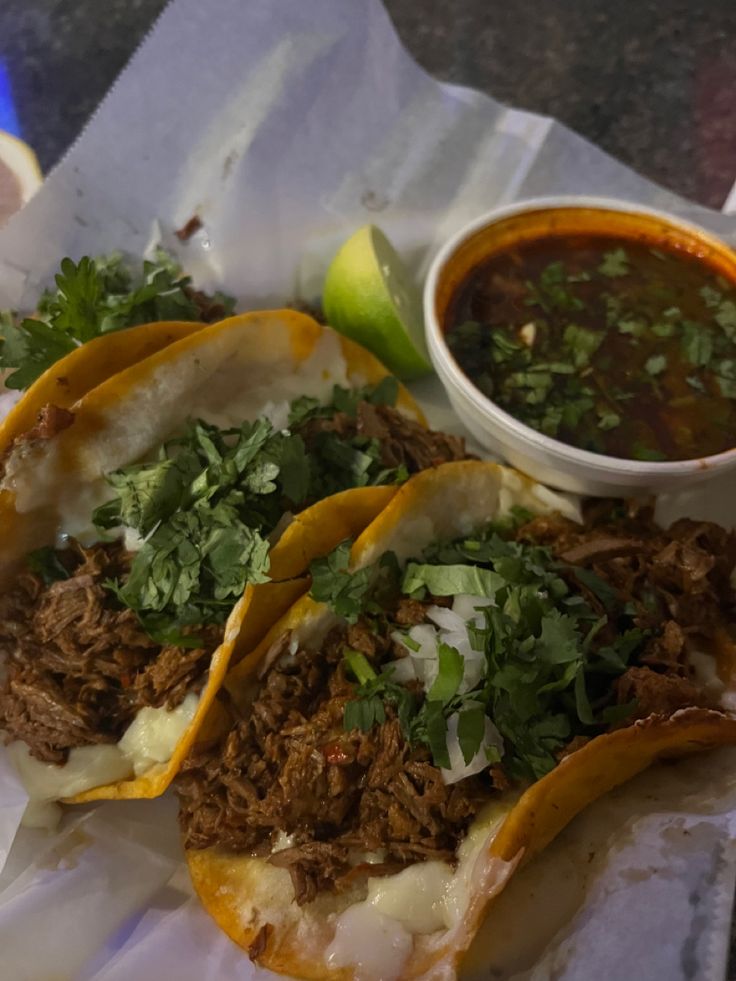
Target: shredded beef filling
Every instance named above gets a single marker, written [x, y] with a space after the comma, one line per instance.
[289, 768]
[678, 582]
[77, 667]
[402, 441]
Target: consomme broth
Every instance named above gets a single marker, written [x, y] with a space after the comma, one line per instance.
[618, 346]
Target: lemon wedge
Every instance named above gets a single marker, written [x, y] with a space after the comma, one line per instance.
[20, 175]
[370, 297]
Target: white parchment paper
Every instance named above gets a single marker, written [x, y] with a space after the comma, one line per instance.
[285, 125]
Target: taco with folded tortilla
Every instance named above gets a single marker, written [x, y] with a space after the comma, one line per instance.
[169, 517]
[453, 691]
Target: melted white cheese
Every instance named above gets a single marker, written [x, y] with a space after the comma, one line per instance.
[43, 814]
[376, 936]
[413, 896]
[374, 945]
[153, 734]
[87, 766]
[150, 738]
[706, 672]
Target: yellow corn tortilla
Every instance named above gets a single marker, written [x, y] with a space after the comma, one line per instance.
[266, 355]
[67, 381]
[247, 895]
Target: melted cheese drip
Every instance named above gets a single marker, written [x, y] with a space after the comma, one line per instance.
[374, 945]
[376, 936]
[150, 739]
[153, 734]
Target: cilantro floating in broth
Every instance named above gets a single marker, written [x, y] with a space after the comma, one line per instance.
[582, 343]
[726, 318]
[697, 343]
[648, 453]
[94, 297]
[725, 371]
[636, 328]
[711, 297]
[656, 364]
[552, 291]
[615, 263]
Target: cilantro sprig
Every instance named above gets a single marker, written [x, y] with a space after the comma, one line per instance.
[94, 297]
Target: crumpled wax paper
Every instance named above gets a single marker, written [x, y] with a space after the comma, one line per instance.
[285, 125]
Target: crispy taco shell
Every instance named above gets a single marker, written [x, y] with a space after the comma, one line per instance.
[254, 358]
[70, 378]
[252, 900]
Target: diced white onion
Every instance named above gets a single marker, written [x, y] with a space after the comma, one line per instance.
[402, 671]
[459, 769]
[277, 413]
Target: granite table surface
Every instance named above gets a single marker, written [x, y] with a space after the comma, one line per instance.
[652, 82]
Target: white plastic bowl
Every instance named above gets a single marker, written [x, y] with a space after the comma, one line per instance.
[550, 460]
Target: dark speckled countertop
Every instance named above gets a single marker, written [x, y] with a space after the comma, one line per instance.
[653, 82]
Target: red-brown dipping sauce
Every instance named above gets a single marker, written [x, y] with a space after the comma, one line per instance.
[617, 346]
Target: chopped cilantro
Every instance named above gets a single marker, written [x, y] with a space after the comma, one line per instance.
[656, 364]
[447, 682]
[615, 264]
[471, 726]
[582, 343]
[449, 580]
[711, 297]
[94, 297]
[636, 328]
[608, 419]
[45, 563]
[697, 343]
[726, 318]
[725, 371]
[358, 664]
[206, 507]
[543, 672]
[333, 583]
[552, 291]
[648, 453]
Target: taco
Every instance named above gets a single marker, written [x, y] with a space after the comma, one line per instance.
[172, 519]
[479, 668]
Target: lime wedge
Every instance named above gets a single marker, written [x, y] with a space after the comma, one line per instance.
[370, 297]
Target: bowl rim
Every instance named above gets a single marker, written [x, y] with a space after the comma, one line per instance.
[450, 372]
